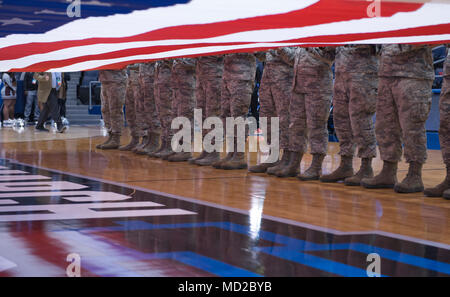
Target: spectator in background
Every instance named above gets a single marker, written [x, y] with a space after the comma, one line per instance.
[49, 86]
[62, 95]
[9, 98]
[31, 87]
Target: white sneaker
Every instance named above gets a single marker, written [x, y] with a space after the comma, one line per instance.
[65, 121]
[8, 123]
[19, 123]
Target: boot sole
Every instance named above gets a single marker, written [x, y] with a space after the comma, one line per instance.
[257, 171]
[408, 191]
[109, 148]
[377, 186]
[307, 178]
[205, 164]
[287, 175]
[237, 168]
[350, 184]
[332, 180]
[432, 195]
[175, 161]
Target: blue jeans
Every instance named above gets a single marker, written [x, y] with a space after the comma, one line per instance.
[32, 99]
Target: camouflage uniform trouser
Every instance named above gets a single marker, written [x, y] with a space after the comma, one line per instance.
[134, 103]
[236, 98]
[444, 131]
[113, 99]
[308, 115]
[274, 96]
[163, 99]
[207, 93]
[402, 109]
[183, 86]
[354, 104]
[148, 110]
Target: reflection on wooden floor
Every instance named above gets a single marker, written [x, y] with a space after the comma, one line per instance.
[327, 205]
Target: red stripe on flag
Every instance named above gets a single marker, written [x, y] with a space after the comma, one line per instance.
[325, 11]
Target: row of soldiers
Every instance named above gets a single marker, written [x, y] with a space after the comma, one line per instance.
[297, 87]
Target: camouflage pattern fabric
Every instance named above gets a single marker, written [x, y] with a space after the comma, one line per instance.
[404, 101]
[113, 98]
[311, 100]
[354, 100]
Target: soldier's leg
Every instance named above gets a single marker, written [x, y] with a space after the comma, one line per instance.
[150, 116]
[105, 113]
[290, 161]
[267, 111]
[225, 112]
[186, 102]
[388, 135]
[363, 100]
[414, 103]
[444, 137]
[164, 103]
[343, 127]
[141, 121]
[211, 91]
[157, 87]
[116, 102]
[200, 103]
[131, 115]
[318, 104]
[241, 95]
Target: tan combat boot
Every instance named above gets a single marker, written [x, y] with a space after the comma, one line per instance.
[161, 148]
[129, 147]
[100, 146]
[114, 143]
[201, 156]
[446, 195]
[315, 170]
[262, 167]
[236, 162]
[182, 156]
[280, 164]
[210, 159]
[153, 144]
[141, 146]
[365, 171]
[167, 151]
[413, 180]
[293, 167]
[344, 170]
[386, 179]
[218, 164]
[439, 190]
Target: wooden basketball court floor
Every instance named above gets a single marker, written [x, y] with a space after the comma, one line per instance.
[234, 223]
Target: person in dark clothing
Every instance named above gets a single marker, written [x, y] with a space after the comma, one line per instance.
[49, 86]
[62, 95]
[254, 112]
[31, 87]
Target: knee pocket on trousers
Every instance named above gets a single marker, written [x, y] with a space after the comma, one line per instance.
[420, 111]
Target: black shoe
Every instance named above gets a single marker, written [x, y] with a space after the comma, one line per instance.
[61, 129]
[41, 128]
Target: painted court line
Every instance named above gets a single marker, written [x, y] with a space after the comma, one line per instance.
[240, 211]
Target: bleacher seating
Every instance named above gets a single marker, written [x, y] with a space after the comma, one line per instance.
[83, 88]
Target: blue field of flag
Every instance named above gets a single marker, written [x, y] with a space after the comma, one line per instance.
[40, 16]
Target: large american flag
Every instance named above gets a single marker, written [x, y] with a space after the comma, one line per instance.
[39, 35]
